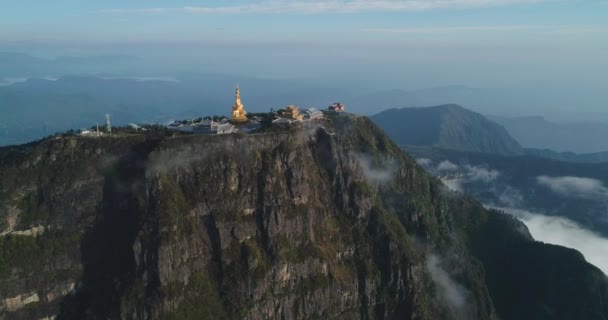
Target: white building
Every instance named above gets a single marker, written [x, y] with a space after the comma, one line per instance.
[283, 121]
[186, 128]
[312, 114]
[251, 126]
[225, 128]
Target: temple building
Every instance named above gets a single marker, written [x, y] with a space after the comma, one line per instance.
[337, 107]
[238, 111]
[292, 112]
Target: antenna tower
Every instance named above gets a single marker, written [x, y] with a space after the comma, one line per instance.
[108, 126]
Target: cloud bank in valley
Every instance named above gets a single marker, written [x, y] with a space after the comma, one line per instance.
[447, 165]
[481, 174]
[453, 175]
[574, 186]
[548, 229]
[565, 232]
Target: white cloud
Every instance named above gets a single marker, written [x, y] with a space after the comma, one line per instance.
[564, 232]
[10, 81]
[574, 186]
[481, 174]
[510, 196]
[334, 6]
[469, 173]
[539, 29]
[453, 184]
[435, 30]
[425, 162]
[454, 294]
[373, 173]
[447, 165]
[143, 79]
[140, 10]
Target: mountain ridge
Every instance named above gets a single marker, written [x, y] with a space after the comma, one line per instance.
[449, 126]
[537, 132]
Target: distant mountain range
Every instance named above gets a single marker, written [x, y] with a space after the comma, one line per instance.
[563, 103]
[479, 157]
[17, 64]
[456, 128]
[447, 126]
[569, 156]
[37, 107]
[537, 132]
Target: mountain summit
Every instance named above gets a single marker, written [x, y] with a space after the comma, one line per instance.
[448, 126]
[327, 220]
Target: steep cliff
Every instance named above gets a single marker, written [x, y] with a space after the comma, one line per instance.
[324, 220]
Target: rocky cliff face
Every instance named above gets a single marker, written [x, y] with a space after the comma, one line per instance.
[326, 220]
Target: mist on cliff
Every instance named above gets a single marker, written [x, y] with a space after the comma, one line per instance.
[452, 293]
[376, 173]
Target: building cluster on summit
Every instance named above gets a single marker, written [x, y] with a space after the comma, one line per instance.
[239, 122]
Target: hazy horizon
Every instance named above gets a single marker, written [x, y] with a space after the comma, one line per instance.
[508, 58]
[547, 45]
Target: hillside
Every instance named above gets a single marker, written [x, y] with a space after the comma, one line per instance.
[319, 221]
[447, 126]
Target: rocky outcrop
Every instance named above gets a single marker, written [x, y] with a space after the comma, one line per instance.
[18, 302]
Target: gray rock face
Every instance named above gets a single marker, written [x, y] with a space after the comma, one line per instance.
[280, 225]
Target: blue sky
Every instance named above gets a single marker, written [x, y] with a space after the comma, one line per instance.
[314, 22]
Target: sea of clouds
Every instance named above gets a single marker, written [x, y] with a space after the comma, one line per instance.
[567, 233]
[549, 229]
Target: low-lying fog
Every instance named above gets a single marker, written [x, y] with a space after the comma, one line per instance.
[567, 233]
[549, 229]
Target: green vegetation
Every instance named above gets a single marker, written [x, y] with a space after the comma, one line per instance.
[133, 296]
[298, 251]
[252, 251]
[201, 300]
[33, 209]
[29, 256]
[312, 283]
[174, 206]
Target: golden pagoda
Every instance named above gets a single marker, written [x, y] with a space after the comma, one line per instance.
[292, 112]
[238, 111]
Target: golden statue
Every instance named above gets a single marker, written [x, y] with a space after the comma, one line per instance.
[238, 112]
